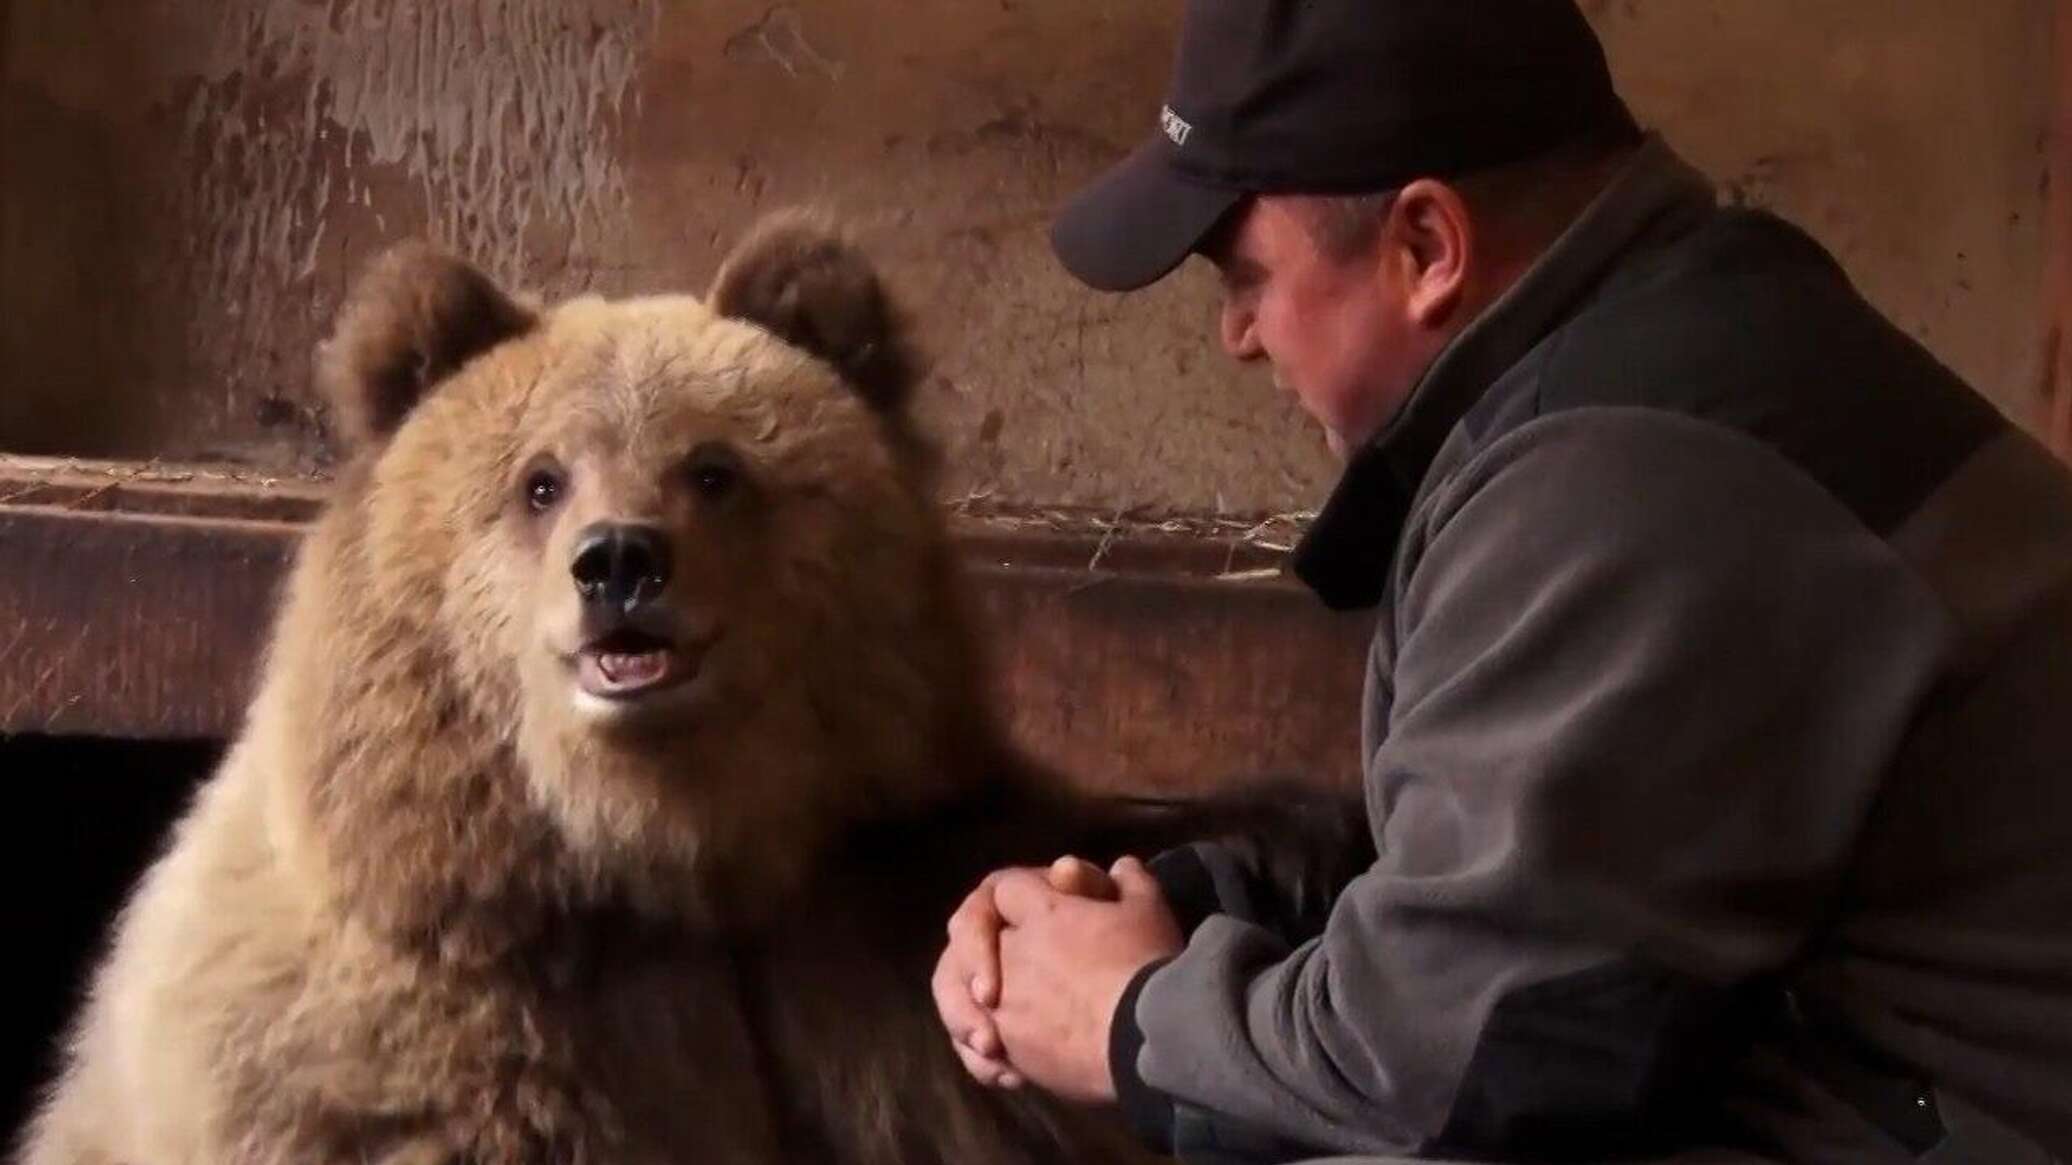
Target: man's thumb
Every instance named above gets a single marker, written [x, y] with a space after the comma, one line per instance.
[1133, 878]
[1070, 875]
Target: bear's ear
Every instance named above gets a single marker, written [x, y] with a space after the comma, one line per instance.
[799, 279]
[414, 317]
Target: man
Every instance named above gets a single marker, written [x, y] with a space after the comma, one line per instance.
[1717, 754]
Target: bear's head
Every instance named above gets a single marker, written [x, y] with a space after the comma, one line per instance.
[678, 564]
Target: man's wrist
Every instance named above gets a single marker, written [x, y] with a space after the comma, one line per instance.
[1148, 1111]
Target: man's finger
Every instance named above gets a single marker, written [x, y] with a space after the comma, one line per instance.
[1022, 895]
[982, 1035]
[989, 1072]
[1071, 875]
[975, 917]
[975, 942]
[961, 1015]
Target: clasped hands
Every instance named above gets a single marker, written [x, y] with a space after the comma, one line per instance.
[1038, 960]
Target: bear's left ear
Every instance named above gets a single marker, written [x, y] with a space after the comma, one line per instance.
[800, 280]
[413, 318]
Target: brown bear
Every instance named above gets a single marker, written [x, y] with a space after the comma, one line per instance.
[618, 756]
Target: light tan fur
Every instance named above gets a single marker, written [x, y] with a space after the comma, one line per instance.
[429, 912]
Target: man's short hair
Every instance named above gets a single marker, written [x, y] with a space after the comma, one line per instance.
[1345, 226]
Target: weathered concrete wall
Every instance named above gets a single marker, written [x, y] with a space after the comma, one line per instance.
[1908, 135]
[188, 185]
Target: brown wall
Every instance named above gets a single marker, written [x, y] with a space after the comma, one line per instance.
[188, 184]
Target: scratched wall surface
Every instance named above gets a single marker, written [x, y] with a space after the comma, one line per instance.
[188, 185]
[247, 154]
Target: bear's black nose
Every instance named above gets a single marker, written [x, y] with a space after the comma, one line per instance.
[620, 567]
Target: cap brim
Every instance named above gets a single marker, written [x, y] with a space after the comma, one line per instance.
[1136, 222]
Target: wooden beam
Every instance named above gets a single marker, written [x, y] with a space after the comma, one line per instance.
[2056, 404]
[1160, 655]
[136, 627]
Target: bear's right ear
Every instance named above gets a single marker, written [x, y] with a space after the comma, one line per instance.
[414, 317]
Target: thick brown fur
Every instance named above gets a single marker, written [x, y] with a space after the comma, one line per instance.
[432, 911]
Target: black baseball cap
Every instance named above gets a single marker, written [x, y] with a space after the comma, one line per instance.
[1336, 97]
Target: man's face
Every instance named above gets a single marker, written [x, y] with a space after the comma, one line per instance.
[1338, 331]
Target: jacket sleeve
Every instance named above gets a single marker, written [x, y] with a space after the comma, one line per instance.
[1647, 677]
[1283, 875]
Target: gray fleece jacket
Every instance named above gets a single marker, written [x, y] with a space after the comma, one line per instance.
[1718, 748]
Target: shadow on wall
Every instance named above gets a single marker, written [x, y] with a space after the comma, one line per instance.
[85, 818]
[65, 315]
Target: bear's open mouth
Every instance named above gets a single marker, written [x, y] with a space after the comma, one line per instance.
[627, 663]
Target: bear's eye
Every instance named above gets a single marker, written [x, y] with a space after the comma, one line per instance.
[543, 488]
[714, 470]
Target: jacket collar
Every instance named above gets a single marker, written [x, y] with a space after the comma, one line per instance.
[1346, 555]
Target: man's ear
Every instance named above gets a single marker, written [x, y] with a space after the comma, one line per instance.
[799, 279]
[413, 318]
[1434, 235]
